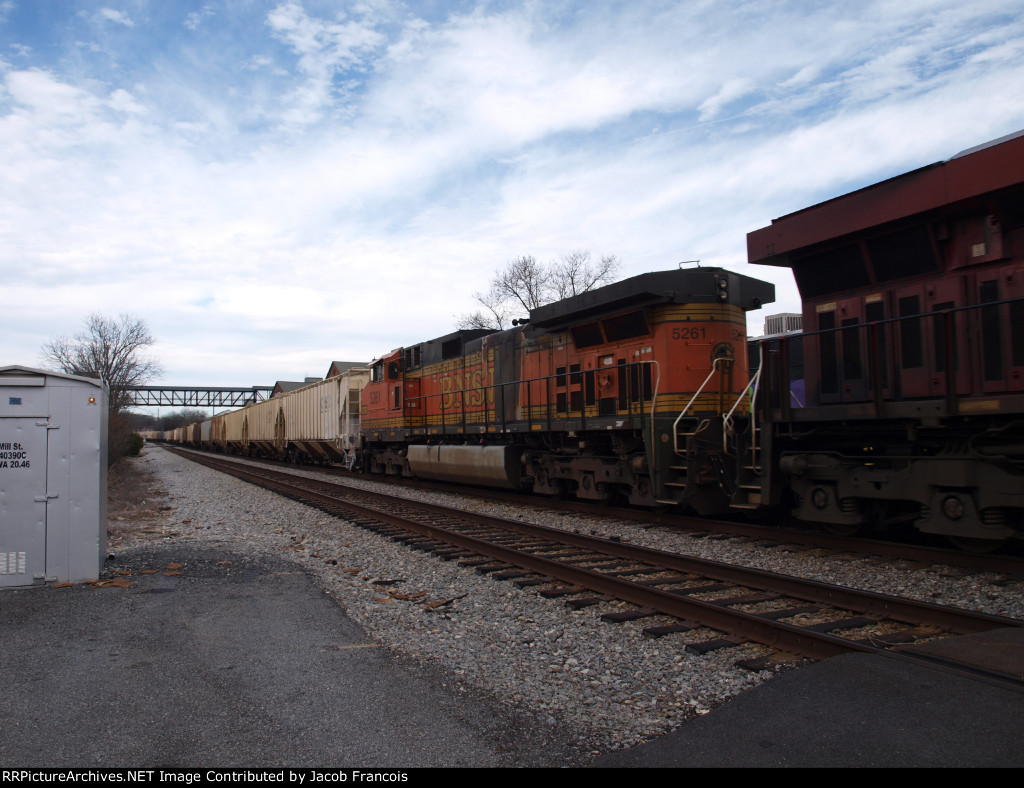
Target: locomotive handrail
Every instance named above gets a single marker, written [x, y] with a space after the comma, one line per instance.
[867, 361]
[675, 424]
[897, 319]
[635, 397]
[727, 419]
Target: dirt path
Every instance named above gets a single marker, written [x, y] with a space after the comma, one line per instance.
[138, 509]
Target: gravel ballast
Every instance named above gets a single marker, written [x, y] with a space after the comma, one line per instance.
[605, 686]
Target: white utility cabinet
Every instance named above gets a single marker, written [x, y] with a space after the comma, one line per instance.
[53, 477]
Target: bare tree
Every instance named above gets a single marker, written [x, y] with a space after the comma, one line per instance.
[108, 349]
[575, 274]
[112, 350]
[525, 281]
[181, 418]
[526, 284]
[495, 318]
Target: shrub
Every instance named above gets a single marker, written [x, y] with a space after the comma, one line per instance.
[135, 444]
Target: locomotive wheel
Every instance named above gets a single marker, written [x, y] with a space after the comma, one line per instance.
[976, 546]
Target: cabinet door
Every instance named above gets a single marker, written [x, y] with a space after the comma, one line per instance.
[22, 501]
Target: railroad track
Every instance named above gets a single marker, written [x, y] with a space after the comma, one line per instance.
[799, 617]
[923, 554]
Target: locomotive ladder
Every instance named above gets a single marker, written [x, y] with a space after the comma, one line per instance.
[679, 446]
[747, 494]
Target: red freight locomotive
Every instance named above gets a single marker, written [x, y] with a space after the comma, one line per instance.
[913, 318]
[619, 391]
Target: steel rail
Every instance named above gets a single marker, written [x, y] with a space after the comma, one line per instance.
[749, 626]
[775, 634]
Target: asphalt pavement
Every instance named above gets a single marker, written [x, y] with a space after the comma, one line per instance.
[861, 710]
[233, 662]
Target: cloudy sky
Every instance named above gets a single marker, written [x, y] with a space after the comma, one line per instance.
[275, 185]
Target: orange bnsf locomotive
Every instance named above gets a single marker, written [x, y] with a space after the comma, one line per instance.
[900, 404]
[622, 391]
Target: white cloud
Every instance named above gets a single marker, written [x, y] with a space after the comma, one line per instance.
[46, 95]
[325, 50]
[115, 16]
[123, 101]
[195, 19]
[732, 90]
[420, 154]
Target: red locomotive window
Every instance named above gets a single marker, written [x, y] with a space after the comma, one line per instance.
[829, 353]
[851, 350]
[874, 313]
[1017, 326]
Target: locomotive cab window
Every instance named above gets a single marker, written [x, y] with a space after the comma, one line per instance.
[991, 331]
[377, 372]
[393, 369]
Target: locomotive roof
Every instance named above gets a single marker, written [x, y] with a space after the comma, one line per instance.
[679, 286]
[974, 172]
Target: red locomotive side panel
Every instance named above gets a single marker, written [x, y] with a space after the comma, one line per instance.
[913, 347]
[456, 395]
[700, 348]
[913, 304]
[381, 409]
[593, 371]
